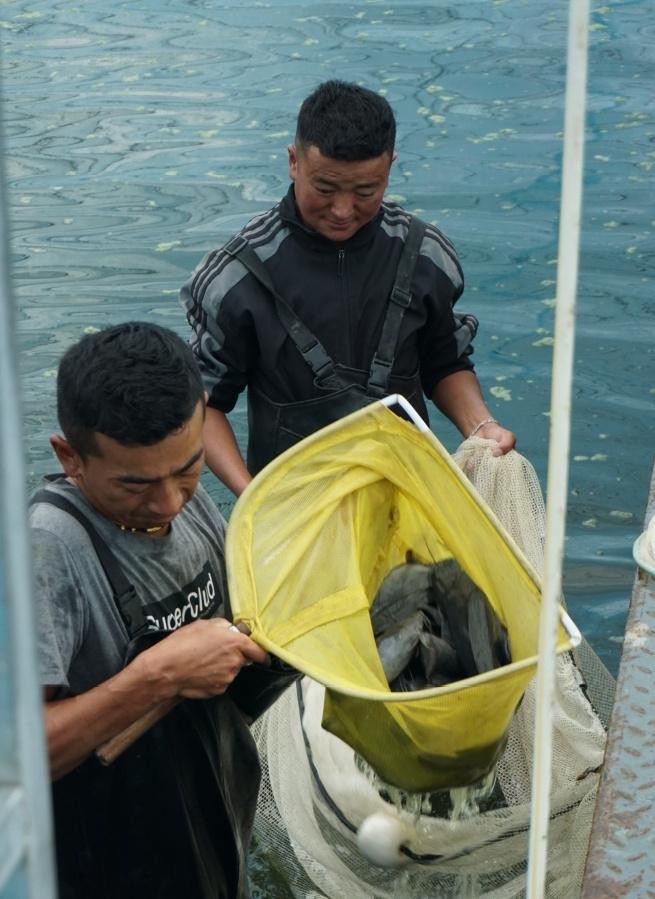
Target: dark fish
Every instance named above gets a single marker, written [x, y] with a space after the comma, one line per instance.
[397, 644]
[475, 631]
[438, 658]
[433, 625]
[413, 678]
[406, 589]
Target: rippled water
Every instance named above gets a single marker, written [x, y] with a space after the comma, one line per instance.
[141, 134]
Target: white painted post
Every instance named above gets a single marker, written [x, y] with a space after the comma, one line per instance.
[560, 427]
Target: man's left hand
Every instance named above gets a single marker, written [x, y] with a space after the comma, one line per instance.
[505, 439]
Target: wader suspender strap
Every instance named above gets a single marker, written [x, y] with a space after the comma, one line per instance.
[399, 300]
[125, 596]
[309, 346]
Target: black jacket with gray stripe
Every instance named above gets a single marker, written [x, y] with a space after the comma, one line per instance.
[339, 291]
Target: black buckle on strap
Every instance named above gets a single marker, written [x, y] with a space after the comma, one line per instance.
[318, 360]
[380, 371]
[234, 246]
[132, 612]
[400, 297]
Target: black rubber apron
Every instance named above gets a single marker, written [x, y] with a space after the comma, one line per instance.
[171, 818]
[274, 427]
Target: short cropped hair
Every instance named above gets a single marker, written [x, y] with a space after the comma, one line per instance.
[135, 382]
[346, 122]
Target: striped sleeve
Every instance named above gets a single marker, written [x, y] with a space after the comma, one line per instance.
[446, 342]
[218, 300]
[218, 330]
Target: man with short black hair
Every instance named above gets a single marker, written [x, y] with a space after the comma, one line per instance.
[331, 299]
[130, 586]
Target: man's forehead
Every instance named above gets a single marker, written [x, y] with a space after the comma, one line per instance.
[144, 467]
[156, 475]
[358, 171]
[173, 454]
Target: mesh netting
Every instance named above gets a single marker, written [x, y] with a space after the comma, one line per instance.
[314, 793]
[510, 486]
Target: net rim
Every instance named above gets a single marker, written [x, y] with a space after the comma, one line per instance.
[296, 661]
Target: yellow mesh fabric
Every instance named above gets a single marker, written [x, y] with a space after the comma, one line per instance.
[308, 545]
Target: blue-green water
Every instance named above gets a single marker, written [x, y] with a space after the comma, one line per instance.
[140, 134]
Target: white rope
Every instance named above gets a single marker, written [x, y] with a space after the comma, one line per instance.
[558, 452]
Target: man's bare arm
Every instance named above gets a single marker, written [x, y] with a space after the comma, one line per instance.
[196, 662]
[222, 452]
[460, 398]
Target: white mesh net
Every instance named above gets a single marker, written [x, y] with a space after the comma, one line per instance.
[314, 794]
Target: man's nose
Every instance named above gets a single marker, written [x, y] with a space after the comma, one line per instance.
[166, 500]
[342, 206]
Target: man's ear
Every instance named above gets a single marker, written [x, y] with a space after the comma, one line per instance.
[293, 161]
[69, 459]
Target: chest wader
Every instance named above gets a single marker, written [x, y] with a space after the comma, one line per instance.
[171, 818]
[274, 427]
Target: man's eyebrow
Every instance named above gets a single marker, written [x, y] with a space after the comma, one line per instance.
[135, 479]
[332, 182]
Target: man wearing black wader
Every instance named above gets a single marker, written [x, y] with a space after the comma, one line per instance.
[130, 588]
[332, 299]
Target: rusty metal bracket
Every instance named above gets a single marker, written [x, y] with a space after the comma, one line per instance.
[621, 859]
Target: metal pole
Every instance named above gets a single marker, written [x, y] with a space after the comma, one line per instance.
[560, 427]
[33, 785]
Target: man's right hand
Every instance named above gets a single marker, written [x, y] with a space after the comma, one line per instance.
[198, 661]
[201, 659]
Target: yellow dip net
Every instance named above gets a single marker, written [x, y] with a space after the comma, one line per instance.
[310, 542]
